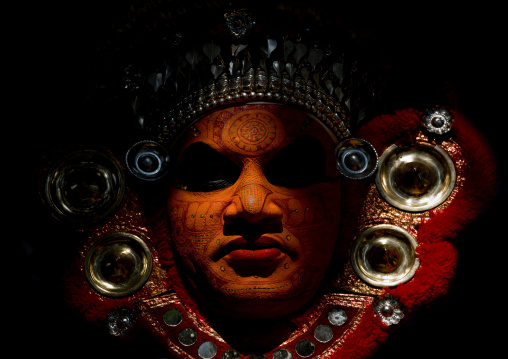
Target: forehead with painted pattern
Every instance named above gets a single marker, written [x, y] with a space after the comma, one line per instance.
[255, 208]
[255, 130]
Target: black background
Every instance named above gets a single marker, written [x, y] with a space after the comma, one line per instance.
[49, 52]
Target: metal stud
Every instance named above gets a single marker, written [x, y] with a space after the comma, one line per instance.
[305, 348]
[230, 354]
[120, 320]
[337, 317]
[437, 120]
[282, 354]
[188, 336]
[389, 310]
[207, 350]
[172, 317]
[323, 333]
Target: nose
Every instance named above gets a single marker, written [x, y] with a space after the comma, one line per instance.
[252, 207]
[252, 198]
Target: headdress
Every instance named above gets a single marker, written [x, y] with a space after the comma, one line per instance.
[241, 58]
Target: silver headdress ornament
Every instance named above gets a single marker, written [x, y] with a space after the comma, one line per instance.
[238, 60]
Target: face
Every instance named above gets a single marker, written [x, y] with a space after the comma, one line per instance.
[255, 209]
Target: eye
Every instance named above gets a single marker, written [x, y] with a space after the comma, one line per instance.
[300, 164]
[202, 169]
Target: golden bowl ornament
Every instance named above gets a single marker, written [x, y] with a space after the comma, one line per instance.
[118, 265]
[415, 178]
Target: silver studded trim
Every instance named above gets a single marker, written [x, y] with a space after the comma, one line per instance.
[255, 87]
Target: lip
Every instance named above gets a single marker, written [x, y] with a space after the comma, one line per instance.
[239, 250]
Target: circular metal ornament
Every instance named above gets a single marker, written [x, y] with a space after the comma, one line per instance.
[415, 178]
[337, 317]
[356, 158]
[84, 187]
[305, 348]
[389, 310]
[172, 317]
[230, 354]
[147, 160]
[207, 350]
[384, 255]
[437, 120]
[282, 354]
[120, 320]
[118, 265]
[188, 336]
[323, 333]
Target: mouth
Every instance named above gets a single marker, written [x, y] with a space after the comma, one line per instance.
[258, 257]
[265, 247]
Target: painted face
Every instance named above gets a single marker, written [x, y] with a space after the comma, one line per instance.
[255, 208]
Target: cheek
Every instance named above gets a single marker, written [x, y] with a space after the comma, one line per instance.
[312, 212]
[194, 224]
[314, 220]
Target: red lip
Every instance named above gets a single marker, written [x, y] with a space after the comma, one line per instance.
[264, 249]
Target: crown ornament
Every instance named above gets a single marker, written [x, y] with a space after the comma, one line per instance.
[239, 60]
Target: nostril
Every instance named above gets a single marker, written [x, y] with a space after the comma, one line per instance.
[241, 227]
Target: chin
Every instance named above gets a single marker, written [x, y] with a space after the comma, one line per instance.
[257, 298]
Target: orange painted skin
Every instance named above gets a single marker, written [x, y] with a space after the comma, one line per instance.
[259, 244]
